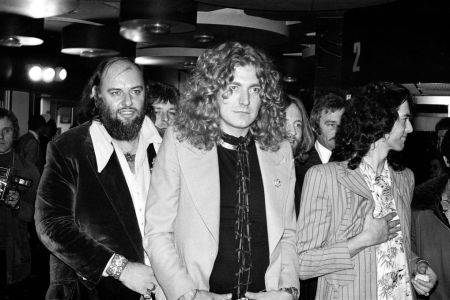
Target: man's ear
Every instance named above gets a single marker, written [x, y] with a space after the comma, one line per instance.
[446, 161]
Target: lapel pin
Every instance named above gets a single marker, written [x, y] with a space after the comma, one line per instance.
[277, 182]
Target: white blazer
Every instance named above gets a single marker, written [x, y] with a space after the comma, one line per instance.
[183, 212]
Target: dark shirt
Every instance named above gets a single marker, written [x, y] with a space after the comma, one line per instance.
[223, 279]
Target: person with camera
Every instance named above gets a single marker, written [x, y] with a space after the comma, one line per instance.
[18, 184]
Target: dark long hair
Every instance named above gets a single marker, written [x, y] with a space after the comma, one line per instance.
[368, 116]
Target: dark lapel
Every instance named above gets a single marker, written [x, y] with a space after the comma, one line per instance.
[353, 180]
[116, 190]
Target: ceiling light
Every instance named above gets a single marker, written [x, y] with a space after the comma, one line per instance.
[203, 38]
[35, 73]
[140, 19]
[38, 8]
[17, 30]
[48, 74]
[61, 74]
[94, 41]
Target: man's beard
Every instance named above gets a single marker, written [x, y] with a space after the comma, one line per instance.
[116, 128]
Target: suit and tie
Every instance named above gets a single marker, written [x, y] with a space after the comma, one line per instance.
[335, 201]
[183, 215]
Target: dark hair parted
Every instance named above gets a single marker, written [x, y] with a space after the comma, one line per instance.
[199, 117]
[443, 124]
[87, 109]
[368, 116]
[325, 102]
[158, 92]
[4, 113]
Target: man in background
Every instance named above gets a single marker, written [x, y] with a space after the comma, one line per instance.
[16, 211]
[28, 145]
[162, 101]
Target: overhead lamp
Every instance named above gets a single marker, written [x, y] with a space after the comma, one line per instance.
[48, 74]
[94, 41]
[61, 74]
[35, 73]
[140, 19]
[17, 30]
[38, 8]
[179, 57]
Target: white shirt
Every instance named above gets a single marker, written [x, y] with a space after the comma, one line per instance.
[138, 182]
[324, 153]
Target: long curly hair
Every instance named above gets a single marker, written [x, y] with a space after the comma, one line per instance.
[368, 116]
[199, 116]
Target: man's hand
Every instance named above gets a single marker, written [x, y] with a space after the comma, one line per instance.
[424, 287]
[375, 231]
[138, 277]
[379, 230]
[12, 198]
[276, 295]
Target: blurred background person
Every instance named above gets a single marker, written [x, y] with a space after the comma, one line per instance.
[28, 145]
[299, 135]
[430, 233]
[16, 212]
[161, 106]
[441, 128]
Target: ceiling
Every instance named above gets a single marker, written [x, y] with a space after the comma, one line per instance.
[289, 30]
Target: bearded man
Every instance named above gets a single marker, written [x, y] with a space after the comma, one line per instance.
[91, 199]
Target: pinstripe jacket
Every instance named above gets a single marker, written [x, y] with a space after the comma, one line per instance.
[334, 203]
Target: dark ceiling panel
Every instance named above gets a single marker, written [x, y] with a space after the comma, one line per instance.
[295, 5]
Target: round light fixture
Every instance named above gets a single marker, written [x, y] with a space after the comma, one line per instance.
[17, 30]
[35, 73]
[48, 74]
[61, 74]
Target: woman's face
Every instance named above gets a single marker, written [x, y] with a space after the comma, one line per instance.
[294, 125]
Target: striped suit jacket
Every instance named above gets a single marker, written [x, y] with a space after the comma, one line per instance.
[334, 203]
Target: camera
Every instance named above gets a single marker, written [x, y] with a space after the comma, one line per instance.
[8, 181]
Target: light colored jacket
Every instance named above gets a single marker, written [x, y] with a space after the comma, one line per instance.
[334, 203]
[183, 215]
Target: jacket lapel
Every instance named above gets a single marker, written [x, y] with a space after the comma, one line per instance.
[201, 172]
[116, 190]
[353, 180]
[275, 177]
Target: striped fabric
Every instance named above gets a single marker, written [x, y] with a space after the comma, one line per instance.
[334, 203]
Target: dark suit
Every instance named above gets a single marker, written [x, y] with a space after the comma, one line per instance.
[83, 217]
[28, 146]
[308, 287]
[428, 217]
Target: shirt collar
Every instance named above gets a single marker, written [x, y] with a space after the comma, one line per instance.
[102, 141]
[324, 153]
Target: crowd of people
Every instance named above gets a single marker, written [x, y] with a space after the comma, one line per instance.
[227, 191]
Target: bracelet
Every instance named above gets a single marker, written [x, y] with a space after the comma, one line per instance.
[116, 266]
[291, 290]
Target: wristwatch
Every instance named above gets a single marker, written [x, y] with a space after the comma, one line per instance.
[291, 290]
